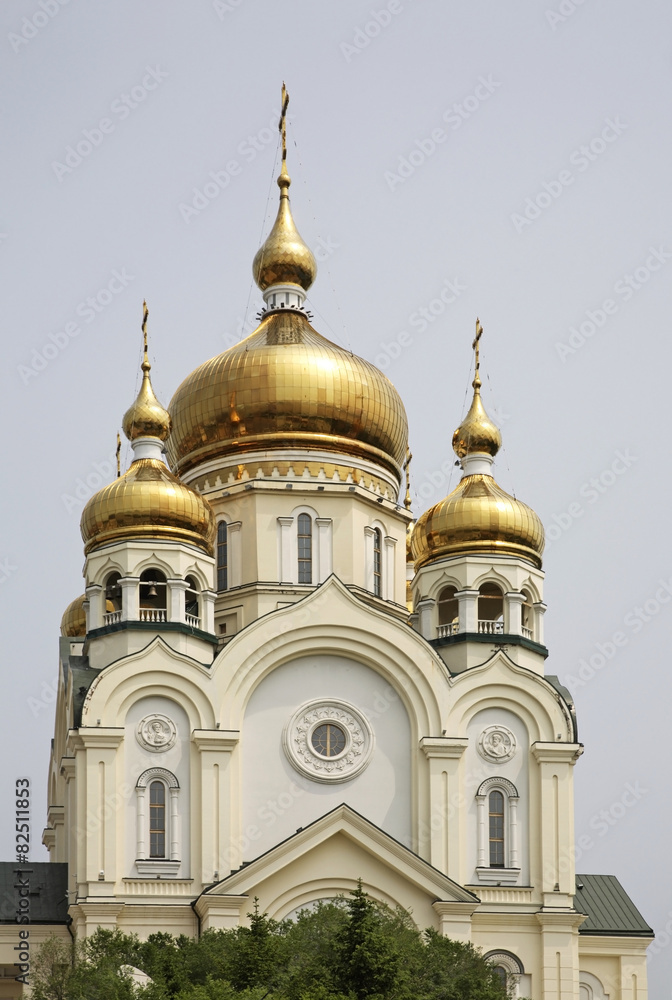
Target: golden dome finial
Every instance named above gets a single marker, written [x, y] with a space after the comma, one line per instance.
[284, 259]
[146, 417]
[477, 433]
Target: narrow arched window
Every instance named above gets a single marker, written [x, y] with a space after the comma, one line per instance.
[496, 816]
[304, 538]
[448, 612]
[157, 820]
[222, 555]
[377, 563]
[490, 609]
[526, 613]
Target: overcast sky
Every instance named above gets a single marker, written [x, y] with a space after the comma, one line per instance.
[515, 157]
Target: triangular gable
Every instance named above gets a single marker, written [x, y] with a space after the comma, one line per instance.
[347, 846]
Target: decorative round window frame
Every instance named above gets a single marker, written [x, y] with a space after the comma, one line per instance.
[359, 741]
[508, 738]
[168, 728]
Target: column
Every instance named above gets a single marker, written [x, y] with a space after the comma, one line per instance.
[218, 792]
[94, 618]
[324, 548]
[439, 840]
[235, 555]
[513, 620]
[539, 611]
[286, 572]
[174, 826]
[482, 819]
[208, 598]
[555, 820]
[368, 557]
[467, 604]
[130, 598]
[425, 612]
[176, 591]
[389, 545]
[141, 825]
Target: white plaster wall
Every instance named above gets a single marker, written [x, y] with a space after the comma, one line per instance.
[516, 770]
[277, 799]
[175, 760]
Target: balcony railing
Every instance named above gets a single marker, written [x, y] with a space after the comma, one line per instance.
[527, 632]
[451, 628]
[111, 617]
[488, 627]
[193, 620]
[153, 615]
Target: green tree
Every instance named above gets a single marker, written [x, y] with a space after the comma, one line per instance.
[367, 956]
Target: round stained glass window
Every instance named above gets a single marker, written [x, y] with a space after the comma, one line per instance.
[328, 740]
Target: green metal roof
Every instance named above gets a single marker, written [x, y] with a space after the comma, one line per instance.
[609, 908]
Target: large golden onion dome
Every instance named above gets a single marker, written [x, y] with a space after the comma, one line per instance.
[478, 516]
[285, 386]
[148, 501]
[73, 622]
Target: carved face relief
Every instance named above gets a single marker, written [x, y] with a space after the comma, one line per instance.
[156, 733]
[328, 741]
[497, 744]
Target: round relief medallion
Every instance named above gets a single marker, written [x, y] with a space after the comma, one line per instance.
[328, 741]
[156, 733]
[497, 743]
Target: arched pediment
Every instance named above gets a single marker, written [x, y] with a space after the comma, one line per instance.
[333, 620]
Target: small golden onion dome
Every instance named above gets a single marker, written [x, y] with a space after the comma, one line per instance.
[477, 433]
[147, 502]
[287, 386]
[146, 417]
[478, 517]
[73, 622]
[284, 258]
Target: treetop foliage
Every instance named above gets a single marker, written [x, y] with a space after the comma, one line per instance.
[346, 949]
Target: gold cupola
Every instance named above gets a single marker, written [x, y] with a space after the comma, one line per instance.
[285, 388]
[478, 516]
[73, 622]
[148, 501]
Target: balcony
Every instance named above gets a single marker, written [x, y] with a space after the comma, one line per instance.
[192, 620]
[111, 617]
[488, 627]
[452, 628]
[154, 615]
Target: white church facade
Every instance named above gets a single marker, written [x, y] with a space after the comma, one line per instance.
[277, 682]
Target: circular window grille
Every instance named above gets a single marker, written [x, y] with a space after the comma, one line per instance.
[328, 741]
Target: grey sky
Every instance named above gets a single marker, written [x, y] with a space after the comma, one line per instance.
[372, 99]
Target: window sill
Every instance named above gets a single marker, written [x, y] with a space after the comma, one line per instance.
[157, 867]
[497, 876]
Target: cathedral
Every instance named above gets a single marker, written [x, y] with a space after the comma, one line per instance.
[277, 681]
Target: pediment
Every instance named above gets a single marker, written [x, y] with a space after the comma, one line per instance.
[347, 846]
